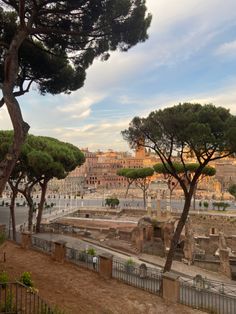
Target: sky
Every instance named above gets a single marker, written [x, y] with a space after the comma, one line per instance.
[190, 56]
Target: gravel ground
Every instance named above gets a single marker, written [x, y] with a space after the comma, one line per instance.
[81, 291]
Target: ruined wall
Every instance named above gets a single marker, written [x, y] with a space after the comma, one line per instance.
[203, 224]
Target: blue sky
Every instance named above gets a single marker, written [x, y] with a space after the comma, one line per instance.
[190, 56]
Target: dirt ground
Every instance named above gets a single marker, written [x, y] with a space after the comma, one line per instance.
[77, 290]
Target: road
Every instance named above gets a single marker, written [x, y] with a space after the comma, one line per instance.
[61, 204]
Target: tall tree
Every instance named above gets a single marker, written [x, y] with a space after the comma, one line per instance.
[123, 173]
[141, 178]
[188, 170]
[40, 160]
[207, 132]
[64, 35]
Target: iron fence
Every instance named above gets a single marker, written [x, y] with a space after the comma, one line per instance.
[83, 259]
[15, 298]
[208, 295]
[139, 276]
[43, 245]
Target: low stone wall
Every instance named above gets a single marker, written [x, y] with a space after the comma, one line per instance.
[207, 264]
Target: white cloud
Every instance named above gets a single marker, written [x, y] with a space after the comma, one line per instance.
[5, 122]
[79, 105]
[227, 49]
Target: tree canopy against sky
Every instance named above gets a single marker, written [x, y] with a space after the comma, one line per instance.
[52, 43]
[41, 159]
[205, 132]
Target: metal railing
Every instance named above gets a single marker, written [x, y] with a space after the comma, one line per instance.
[42, 245]
[81, 258]
[139, 276]
[208, 295]
[15, 298]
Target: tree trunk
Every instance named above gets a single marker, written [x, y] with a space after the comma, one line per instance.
[194, 198]
[30, 213]
[30, 203]
[127, 190]
[20, 127]
[12, 212]
[41, 205]
[177, 232]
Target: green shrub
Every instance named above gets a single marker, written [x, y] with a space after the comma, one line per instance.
[112, 202]
[91, 251]
[4, 278]
[205, 204]
[26, 279]
[129, 265]
[8, 305]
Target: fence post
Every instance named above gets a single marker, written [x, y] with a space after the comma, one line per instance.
[26, 240]
[171, 287]
[105, 266]
[59, 253]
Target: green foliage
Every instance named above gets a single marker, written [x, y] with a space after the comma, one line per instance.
[232, 190]
[112, 202]
[7, 305]
[130, 262]
[204, 132]
[91, 251]
[26, 279]
[178, 167]
[206, 204]
[220, 205]
[129, 265]
[136, 173]
[59, 30]
[4, 278]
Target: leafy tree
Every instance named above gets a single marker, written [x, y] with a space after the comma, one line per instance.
[141, 177]
[204, 131]
[232, 190]
[220, 204]
[122, 172]
[49, 158]
[182, 170]
[52, 43]
[41, 159]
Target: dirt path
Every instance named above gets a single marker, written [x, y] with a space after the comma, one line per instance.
[81, 291]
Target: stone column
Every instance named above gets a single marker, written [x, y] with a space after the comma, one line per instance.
[171, 287]
[149, 205]
[26, 240]
[224, 263]
[105, 265]
[59, 253]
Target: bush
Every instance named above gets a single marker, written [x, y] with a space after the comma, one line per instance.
[205, 204]
[4, 278]
[129, 265]
[26, 279]
[91, 251]
[112, 202]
